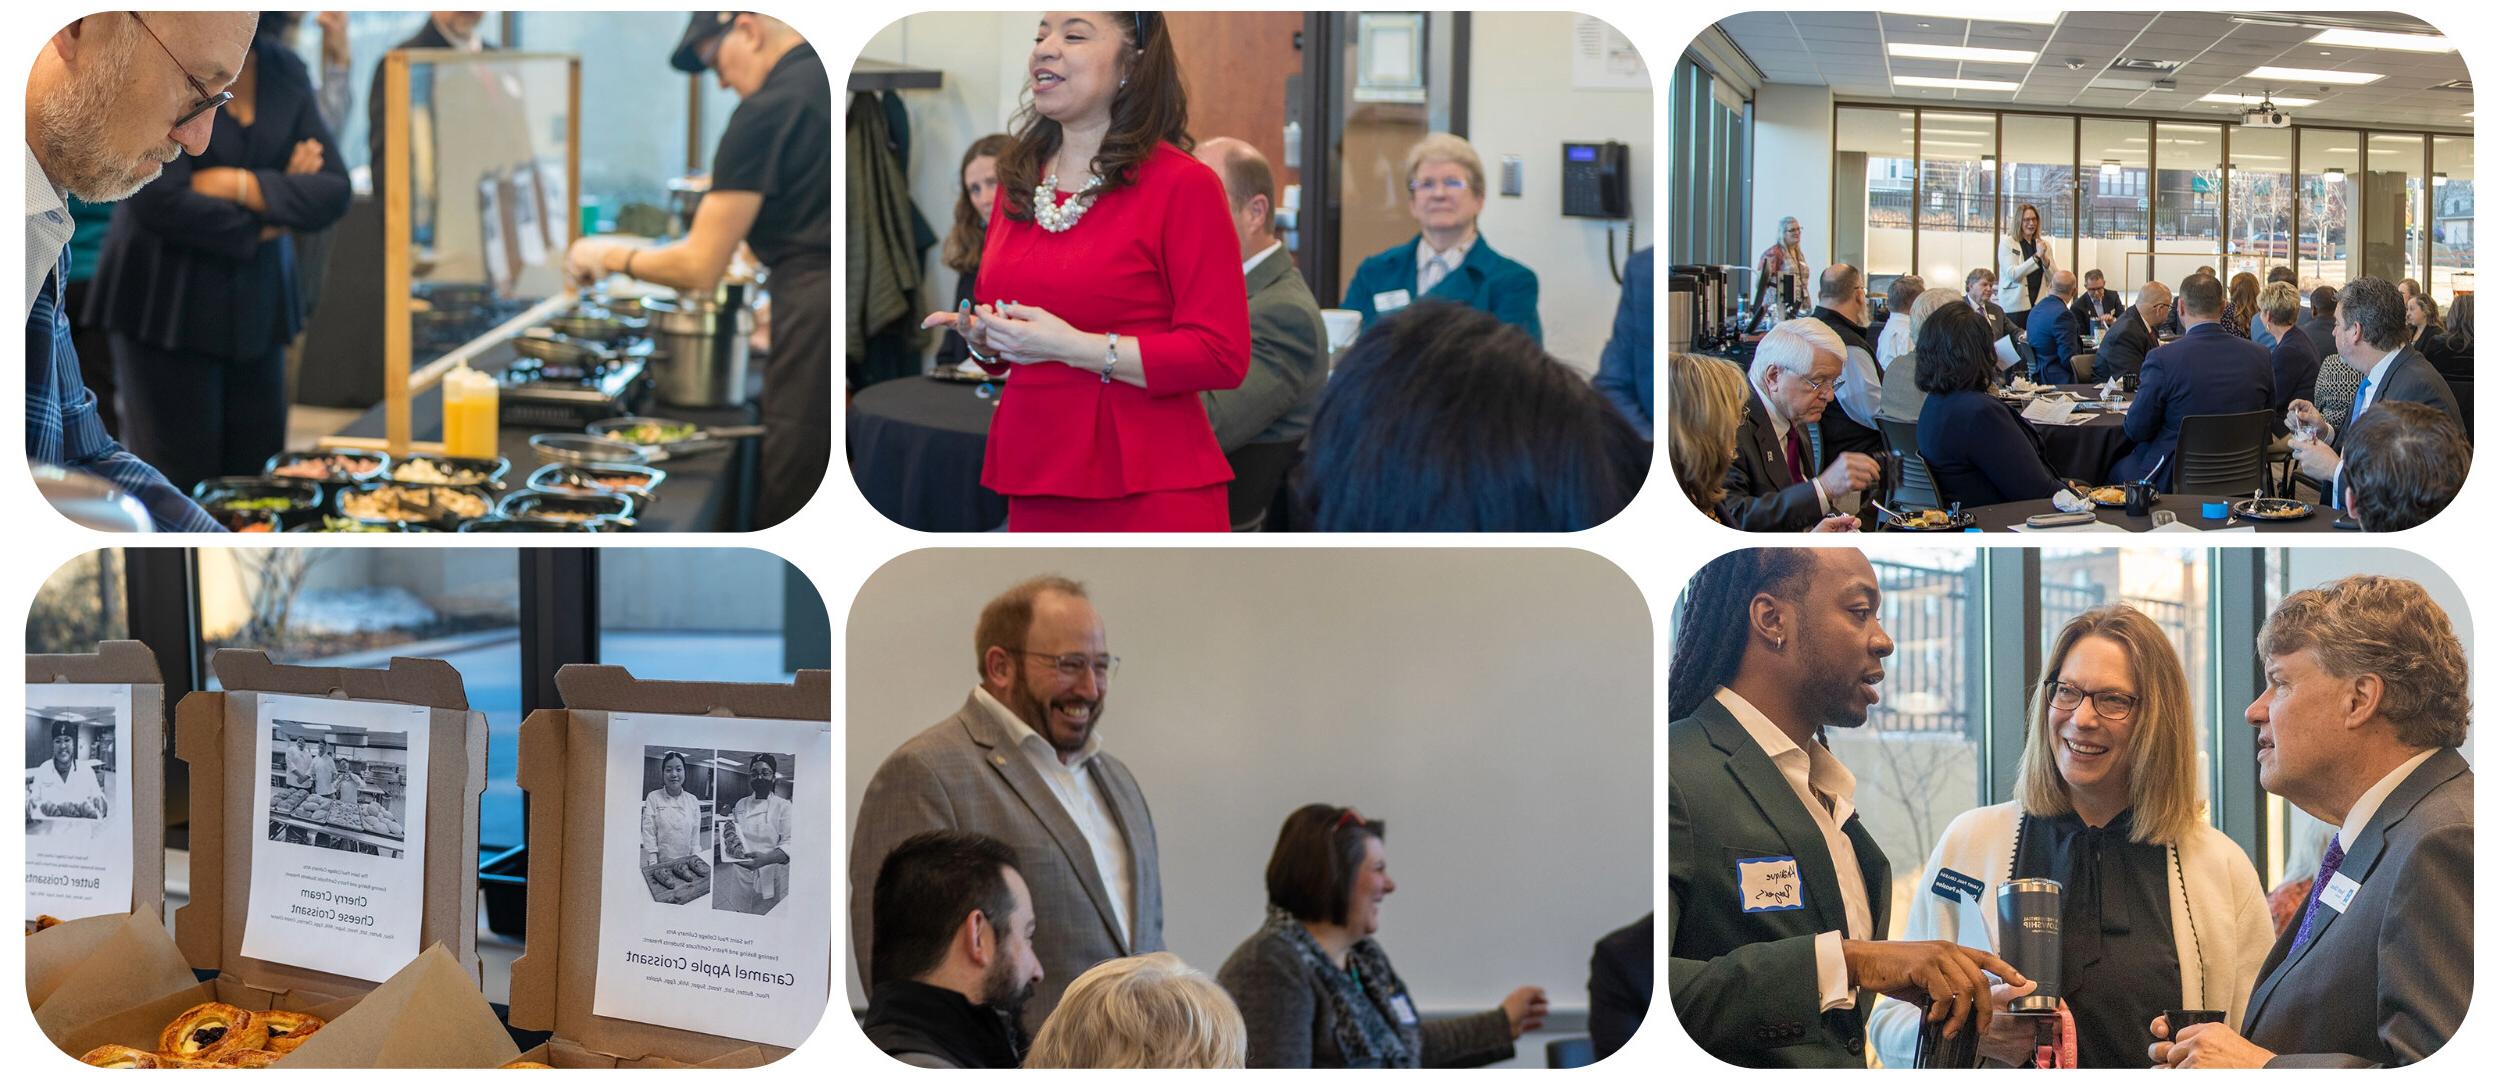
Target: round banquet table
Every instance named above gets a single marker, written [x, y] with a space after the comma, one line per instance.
[2004, 516]
[2084, 451]
[916, 447]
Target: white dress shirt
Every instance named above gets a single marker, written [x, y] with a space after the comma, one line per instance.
[1085, 801]
[1894, 341]
[48, 229]
[1432, 266]
[2366, 807]
[1816, 775]
[1253, 261]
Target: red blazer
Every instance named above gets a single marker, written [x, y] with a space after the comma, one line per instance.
[1157, 262]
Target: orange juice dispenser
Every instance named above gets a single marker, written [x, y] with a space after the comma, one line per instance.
[469, 420]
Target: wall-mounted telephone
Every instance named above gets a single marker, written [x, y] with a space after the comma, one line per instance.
[1597, 180]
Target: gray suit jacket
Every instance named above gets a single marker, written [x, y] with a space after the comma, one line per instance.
[1288, 362]
[2385, 981]
[965, 773]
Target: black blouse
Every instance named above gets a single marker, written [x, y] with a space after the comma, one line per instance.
[2120, 961]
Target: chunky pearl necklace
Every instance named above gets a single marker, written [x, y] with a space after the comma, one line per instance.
[1050, 215]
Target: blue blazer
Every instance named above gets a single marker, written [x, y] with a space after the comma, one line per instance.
[2208, 371]
[1981, 453]
[1627, 370]
[1484, 281]
[2054, 341]
[187, 272]
[2296, 363]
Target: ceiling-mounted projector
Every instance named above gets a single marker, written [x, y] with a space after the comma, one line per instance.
[2265, 115]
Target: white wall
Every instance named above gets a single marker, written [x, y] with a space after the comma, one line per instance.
[1520, 101]
[1493, 706]
[1792, 167]
[2311, 566]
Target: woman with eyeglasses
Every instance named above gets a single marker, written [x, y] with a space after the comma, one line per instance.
[1448, 260]
[1316, 988]
[197, 283]
[2162, 911]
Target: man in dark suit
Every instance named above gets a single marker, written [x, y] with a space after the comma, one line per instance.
[1980, 288]
[2123, 347]
[1779, 482]
[2320, 325]
[2371, 336]
[1840, 303]
[2055, 343]
[1288, 340]
[1778, 896]
[1623, 975]
[1627, 370]
[2097, 303]
[2208, 371]
[2365, 707]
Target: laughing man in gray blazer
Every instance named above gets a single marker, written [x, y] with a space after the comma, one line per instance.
[1021, 762]
[2365, 704]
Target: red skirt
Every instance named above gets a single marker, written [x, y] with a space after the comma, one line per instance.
[1202, 509]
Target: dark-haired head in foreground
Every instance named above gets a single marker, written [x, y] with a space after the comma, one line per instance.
[928, 888]
[2403, 464]
[1442, 418]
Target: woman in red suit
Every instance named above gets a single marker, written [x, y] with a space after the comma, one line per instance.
[1111, 281]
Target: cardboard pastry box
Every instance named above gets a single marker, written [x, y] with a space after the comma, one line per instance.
[564, 753]
[133, 663]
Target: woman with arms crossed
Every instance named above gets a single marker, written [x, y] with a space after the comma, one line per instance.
[1111, 282]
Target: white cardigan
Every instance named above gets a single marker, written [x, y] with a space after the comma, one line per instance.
[2220, 900]
[2014, 276]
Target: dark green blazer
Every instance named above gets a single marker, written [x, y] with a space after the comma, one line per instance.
[1743, 983]
[1484, 280]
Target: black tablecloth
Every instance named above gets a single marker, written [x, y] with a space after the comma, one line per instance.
[2084, 451]
[711, 491]
[916, 448]
[2190, 508]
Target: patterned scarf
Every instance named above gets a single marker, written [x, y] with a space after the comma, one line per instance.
[1361, 1014]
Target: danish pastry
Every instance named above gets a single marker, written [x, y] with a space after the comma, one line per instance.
[525, 1065]
[286, 1030]
[245, 1059]
[117, 1056]
[205, 1031]
[42, 923]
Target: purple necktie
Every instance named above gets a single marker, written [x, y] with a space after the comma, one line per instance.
[2317, 887]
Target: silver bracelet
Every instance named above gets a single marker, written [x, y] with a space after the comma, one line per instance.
[1110, 356]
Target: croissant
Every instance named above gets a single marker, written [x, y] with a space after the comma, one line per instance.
[117, 1056]
[286, 1030]
[206, 1031]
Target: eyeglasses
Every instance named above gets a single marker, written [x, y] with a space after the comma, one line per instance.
[207, 100]
[1454, 184]
[1350, 817]
[2111, 704]
[1817, 386]
[1071, 665]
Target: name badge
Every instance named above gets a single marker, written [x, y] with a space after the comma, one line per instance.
[1386, 302]
[1954, 886]
[2339, 892]
[1771, 884]
[1405, 1010]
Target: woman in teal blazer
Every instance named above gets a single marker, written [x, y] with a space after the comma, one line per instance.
[1445, 192]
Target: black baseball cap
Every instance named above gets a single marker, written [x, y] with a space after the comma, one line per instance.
[702, 27]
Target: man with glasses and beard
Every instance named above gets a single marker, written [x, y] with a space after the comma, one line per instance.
[1779, 896]
[955, 930]
[1022, 762]
[111, 98]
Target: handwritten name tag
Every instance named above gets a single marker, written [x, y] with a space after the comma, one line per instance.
[1405, 1010]
[1386, 302]
[1771, 884]
[2339, 892]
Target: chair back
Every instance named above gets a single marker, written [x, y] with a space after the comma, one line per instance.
[1570, 1053]
[1913, 487]
[1258, 471]
[2222, 453]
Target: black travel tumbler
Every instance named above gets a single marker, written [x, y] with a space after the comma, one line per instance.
[2030, 913]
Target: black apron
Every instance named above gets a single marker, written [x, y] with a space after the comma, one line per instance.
[797, 404]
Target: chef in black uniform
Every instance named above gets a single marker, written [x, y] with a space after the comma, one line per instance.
[772, 189]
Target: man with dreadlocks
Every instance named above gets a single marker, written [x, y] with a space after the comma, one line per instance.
[1777, 893]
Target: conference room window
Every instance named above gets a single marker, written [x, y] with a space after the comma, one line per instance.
[2394, 207]
[1917, 759]
[2330, 203]
[1957, 200]
[2259, 186]
[79, 605]
[2171, 586]
[2452, 212]
[2114, 229]
[2039, 170]
[1874, 185]
[2186, 164]
[1709, 166]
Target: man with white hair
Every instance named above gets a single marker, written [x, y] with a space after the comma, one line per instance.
[1780, 482]
[112, 97]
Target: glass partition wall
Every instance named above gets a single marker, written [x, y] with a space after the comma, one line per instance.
[2141, 199]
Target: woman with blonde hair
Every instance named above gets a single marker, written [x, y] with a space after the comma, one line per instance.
[1783, 261]
[2026, 260]
[1447, 259]
[1706, 400]
[2162, 911]
[1141, 1012]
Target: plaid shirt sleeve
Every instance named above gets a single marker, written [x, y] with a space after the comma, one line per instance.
[62, 427]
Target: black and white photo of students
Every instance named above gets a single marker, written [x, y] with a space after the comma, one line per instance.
[672, 815]
[755, 843]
